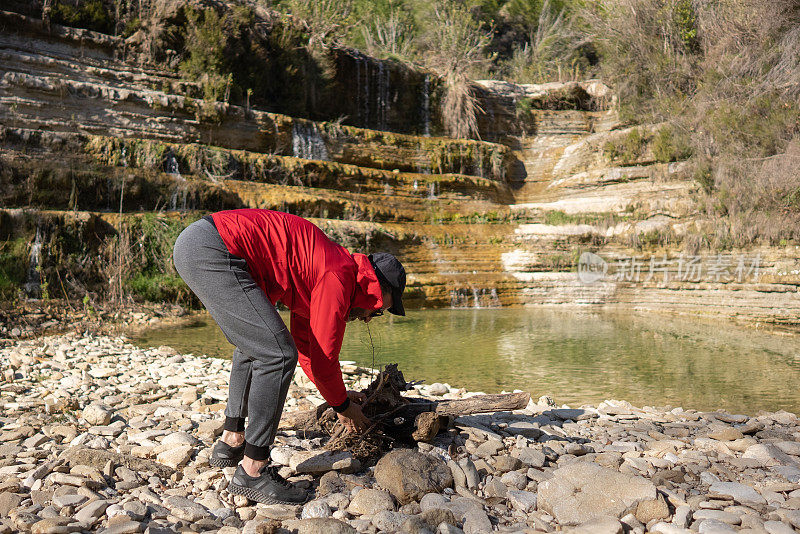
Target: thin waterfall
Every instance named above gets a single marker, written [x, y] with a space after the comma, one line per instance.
[179, 198]
[366, 103]
[372, 78]
[459, 298]
[383, 95]
[426, 106]
[432, 191]
[33, 284]
[171, 165]
[495, 299]
[474, 297]
[422, 156]
[381, 103]
[307, 143]
[358, 89]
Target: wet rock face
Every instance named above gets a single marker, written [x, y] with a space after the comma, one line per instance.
[384, 94]
[155, 144]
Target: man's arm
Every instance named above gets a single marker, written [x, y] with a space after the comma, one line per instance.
[319, 372]
[330, 302]
[319, 341]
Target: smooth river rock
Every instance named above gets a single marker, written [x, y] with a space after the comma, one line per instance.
[97, 414]
[583, 491]
[317, 462]
[323, 526]
[370, 502]
[738, 492]
[409, 475]
[599, 525]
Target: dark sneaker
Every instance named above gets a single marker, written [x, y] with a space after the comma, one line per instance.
[267, 488]
[223, 455]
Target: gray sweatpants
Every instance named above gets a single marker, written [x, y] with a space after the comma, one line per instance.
[265, 355]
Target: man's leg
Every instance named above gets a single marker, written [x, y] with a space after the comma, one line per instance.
[270, 376]
[238, 391]
[249, 321]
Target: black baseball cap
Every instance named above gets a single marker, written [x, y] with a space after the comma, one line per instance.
[390, 273]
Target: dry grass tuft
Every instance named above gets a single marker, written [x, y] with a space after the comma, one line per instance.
[455, 46]
[552, 51]
[388, 37]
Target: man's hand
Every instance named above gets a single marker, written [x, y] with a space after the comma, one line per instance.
[353, 418]
[356, 396]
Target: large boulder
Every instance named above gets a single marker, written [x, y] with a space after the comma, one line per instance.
[582, 491]
[409, 475]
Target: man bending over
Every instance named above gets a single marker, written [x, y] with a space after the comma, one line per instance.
[240, 263]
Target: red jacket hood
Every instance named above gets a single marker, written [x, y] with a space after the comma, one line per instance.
[367, 294]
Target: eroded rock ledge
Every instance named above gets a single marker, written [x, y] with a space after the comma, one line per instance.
[100, 435]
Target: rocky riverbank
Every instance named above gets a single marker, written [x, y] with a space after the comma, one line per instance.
[100, 435]
[24, 319]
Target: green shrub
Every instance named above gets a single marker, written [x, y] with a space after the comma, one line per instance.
[153, 238]
[159, 287]
[89, 14]
[558, 218]
[131, 27]
[13, 267]
[555, 48]
[205, 46]
[626, 150]
[703, 175]
[139, 260]
[524, 106]
[667, 146]
[792, 199]
[455, 46]
[633, 144]
[685, 20]
[760, 127]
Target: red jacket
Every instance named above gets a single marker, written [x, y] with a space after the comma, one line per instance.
[294, 262]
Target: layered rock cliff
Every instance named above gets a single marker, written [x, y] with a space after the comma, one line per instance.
[91, 141]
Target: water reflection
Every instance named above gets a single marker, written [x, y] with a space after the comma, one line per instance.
[576, 357]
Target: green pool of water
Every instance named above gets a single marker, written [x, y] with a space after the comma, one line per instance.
[576, 357]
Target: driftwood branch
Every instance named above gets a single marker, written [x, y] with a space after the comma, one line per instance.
[307, 419]
[483, 404]
[395, 417]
